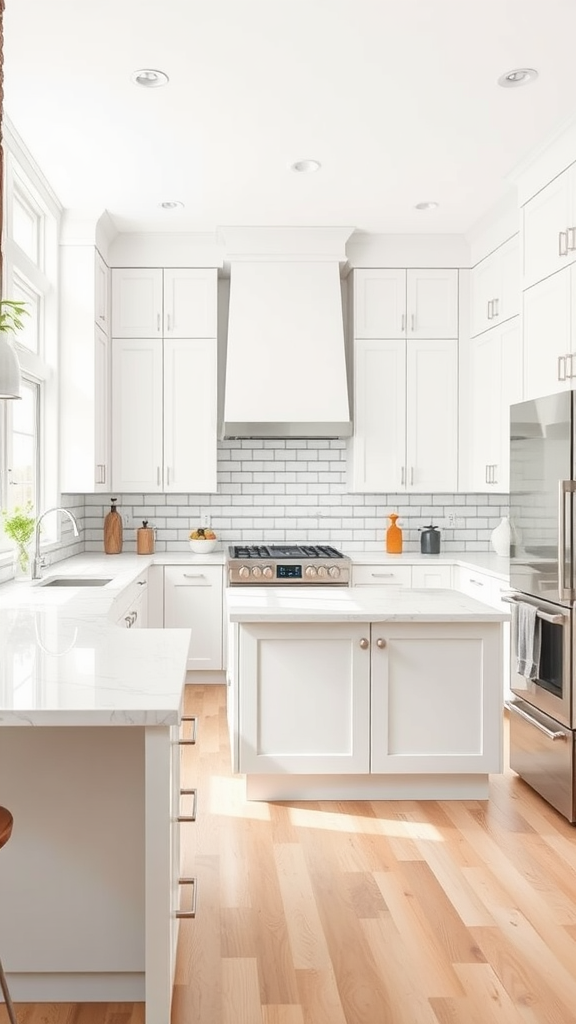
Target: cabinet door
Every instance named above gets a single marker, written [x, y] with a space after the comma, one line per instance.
[102, 412]
[304, 693]
[381, 575]
[511, 370]
[547, 335]
[433, 706]
[486, 408]
[379, 442]
[380, 303]
[190, 303]
[432, 576]
[546, 216]
[432, 303]
[193, 597]
[190, 414]
[136, 303]
[432, 415]
[483, 290]
[137, 415]
[101, 292]
[509, 293]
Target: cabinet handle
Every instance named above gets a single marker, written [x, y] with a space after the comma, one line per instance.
[103, 474]
[192, 912]
[411, 476]
[486, 480]
[403, 478]
[192, 740]
[493, 479]
[571, 243]
[168, 322]
[364, 643]
[101, 316]
[158, 475]
[189, 817]
[167, 476]
[381, 575]
[537, 725]
[570, 365]
[495, 306]
[561, 362]
[412, 322]
[476, 583]
[488, 304]
[141, 583]
[134, 616]
[158, 322]
[128, 621]
[403, 323]
[380, 643]
[563, 247]
[194, 575]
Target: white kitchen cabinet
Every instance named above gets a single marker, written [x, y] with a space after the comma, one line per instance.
[431, 708]
[170, 303]
[84, 373]
[495, 294]
[360, 698]
[164, 395]
[490, 590]
[131, 609]
[405, 416]
[495, 384]
[381, 575]
[304, 692]
[101, 293]
[406, 303]
[193, 596]
[550, 335]
[549, 228]
[432, 576]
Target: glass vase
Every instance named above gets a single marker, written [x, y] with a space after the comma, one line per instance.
[23, 560]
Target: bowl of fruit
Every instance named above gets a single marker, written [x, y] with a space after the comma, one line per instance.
[202, 540]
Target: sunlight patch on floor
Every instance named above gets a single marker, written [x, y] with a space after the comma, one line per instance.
[228, 797]
[303, 817]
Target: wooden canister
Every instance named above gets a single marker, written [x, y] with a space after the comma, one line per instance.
[145, 539]
[113, 530]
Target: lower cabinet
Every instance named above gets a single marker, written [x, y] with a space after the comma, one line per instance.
[193, 600]
[489, 590]
[132, 612]
[382, 575]
[408, 697]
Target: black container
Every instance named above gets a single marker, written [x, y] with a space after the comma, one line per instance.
[430, 540]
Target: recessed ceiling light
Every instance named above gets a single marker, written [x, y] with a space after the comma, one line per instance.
[149, 78]
[306, 166]
[520, 76]
[427, 206]
[171, 204]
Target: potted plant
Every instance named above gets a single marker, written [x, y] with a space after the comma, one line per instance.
[19, 527]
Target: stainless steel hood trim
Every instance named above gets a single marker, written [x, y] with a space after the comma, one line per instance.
[326, 431]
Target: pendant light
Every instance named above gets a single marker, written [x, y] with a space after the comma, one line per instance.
[9, 371]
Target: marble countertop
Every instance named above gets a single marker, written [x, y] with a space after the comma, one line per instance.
[355, 604]
[484, 561]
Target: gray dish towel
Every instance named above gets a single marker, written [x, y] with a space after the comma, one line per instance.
[527, 631]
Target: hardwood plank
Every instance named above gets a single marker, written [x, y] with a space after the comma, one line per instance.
[408, 1000]
[307, 941]
[282, 1015]
[319, 997]
[433, 904]
[240, 993]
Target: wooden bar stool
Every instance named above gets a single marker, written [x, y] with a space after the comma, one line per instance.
[6, 822]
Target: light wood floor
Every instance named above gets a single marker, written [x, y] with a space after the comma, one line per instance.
[364, 913]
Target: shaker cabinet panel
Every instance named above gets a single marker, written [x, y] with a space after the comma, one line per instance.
[495, 287]
[137, 303]
[406, 303]
[190, 428]
[432, 304]
[496, 383]
[549, 220]
[548, 335]
[137, 430]
[193, 596]
[379, 303]
[379, 442]
[190, 303]
[432, 415]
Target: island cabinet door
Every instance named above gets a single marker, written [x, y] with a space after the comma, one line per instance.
[436, 704]
[304, 698]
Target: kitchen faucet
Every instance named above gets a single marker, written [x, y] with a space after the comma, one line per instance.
[38, 563]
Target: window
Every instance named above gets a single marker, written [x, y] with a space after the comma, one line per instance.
[29, 427]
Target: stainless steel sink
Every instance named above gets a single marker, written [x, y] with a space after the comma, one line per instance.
[75, 581]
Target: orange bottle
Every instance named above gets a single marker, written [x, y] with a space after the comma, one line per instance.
[393, 536]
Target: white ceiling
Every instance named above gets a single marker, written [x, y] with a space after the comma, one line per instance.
[397, 99]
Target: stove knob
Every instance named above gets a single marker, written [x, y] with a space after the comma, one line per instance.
[334, 572]
[257, 571]
[310, 570]
[268, 572]
[322, 571]
[243, 571]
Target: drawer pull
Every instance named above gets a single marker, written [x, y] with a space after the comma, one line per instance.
[475, 583]
[382, 575]
[194, 575]
[194, 883]
[193, 793]
[192, 740]
[554, 736]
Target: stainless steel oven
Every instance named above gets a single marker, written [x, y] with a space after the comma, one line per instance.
[551, 692]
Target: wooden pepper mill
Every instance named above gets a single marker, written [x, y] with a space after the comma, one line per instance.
[113, 530]
[145, 539]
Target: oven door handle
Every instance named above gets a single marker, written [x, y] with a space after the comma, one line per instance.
[554, 736]
[556, 620]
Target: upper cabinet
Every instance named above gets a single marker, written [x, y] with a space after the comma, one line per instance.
[421, 304]
[495, 287]
[101, 293]
[550, 335]
[496, 384]
[169, 303]
[549, 228]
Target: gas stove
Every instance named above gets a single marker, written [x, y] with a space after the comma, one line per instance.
[277, 564]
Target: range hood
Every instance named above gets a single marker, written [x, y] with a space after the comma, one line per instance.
[286, 359]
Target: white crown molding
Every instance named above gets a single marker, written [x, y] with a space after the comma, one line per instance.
[417, 250]
[284, 243]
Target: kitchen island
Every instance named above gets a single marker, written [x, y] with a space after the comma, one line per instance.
[353, 693]
[89, 767]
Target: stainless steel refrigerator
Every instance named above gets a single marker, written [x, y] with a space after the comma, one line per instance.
[542, 574]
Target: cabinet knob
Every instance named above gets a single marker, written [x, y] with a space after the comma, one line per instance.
[364, 643]
[380, 642]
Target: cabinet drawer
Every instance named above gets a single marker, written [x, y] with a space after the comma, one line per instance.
[432, 576]
[381, 575]
[475, 584]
